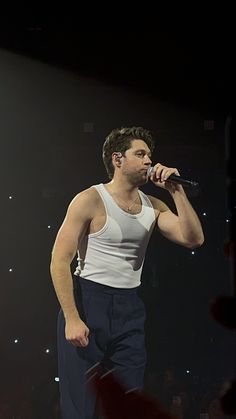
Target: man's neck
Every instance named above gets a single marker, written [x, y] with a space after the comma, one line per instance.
[122, 188]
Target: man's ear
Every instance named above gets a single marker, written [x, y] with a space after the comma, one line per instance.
[116, 158]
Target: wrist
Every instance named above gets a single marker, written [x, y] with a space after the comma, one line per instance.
[177, 191]
[72, 315]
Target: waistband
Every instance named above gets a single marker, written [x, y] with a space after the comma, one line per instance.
[92, 285]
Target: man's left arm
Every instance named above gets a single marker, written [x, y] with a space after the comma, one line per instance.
[185, 227]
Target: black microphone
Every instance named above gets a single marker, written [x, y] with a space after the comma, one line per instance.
[176, 179]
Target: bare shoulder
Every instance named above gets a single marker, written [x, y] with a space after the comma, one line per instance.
[87, 197]
[158, 205]
[83, 205]
[79, 215]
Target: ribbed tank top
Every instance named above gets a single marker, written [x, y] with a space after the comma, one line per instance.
[114, 255]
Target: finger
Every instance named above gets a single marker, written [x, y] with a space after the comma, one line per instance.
[75, 342]
[78, 342]
[168, 172]
[84, 341]
[158, 171]
[157, 176]
[165, 174]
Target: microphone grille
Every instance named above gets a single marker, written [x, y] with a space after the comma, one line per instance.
[149, 171]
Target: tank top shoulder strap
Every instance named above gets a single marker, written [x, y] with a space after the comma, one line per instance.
[105, 196]
[145, 199]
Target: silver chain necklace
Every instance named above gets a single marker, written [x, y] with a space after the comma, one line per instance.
[129, 207]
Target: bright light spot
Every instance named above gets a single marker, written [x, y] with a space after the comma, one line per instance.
[16, 341]
[187, 371]
[49, 226]
[47, 351]
[193, 253]
[10, 270]
[204, 214]
[227, 220]
[10, 197]
[56, 379]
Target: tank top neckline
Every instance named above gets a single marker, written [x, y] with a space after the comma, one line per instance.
[128, 214]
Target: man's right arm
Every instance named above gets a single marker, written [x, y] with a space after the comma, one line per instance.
[71, 232]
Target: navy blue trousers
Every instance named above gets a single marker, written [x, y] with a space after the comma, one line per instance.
[115, 318]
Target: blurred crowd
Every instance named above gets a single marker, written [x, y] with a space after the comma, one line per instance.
[182, 398]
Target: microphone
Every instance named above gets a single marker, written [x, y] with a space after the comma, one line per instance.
[176, 179]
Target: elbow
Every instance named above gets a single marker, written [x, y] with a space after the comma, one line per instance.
[198, 242]
[52, 261]
[60, 260]
[55, 264]
[52, 267]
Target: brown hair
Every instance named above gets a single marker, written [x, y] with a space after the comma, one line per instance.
[119, 140]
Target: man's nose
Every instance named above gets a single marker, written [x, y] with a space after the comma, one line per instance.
[148, 160]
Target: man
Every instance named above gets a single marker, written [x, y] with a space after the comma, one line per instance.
[102, 316]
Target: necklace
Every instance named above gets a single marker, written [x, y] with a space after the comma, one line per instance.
[129, 207]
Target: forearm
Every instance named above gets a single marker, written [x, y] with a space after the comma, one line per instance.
[189, 222]
[63, 284]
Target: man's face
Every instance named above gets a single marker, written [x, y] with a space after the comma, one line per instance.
[136, 162]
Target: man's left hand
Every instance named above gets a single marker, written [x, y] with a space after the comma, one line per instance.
[160, 175]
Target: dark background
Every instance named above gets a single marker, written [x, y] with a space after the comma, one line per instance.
[61, 92]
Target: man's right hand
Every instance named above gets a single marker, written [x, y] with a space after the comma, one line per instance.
[77, 332]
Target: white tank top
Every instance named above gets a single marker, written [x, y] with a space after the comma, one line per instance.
[114, 255]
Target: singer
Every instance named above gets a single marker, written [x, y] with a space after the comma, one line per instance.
[109, 225]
